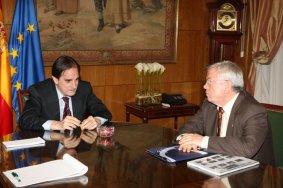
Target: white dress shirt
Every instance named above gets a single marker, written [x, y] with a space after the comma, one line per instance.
[224, 123]
[47, 124]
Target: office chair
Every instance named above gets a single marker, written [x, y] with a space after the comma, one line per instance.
[22, 96]
[275, 116]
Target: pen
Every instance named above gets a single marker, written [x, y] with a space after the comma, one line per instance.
[16, 176]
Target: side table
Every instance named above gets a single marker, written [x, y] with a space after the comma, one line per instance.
[158, 111]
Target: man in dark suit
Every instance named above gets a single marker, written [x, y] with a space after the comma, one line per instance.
[45, 108]
[244, 129]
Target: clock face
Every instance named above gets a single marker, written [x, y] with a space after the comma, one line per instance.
[226, 20]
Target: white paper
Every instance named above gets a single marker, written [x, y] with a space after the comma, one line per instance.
[67, 167]
[83, 180]
[220, 164]
[24, 143]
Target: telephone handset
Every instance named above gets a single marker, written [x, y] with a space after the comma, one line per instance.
[173, 99]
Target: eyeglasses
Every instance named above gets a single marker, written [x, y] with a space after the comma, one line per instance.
[209, 81]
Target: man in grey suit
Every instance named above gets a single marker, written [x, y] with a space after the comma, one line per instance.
[45, 107]
[244, 130]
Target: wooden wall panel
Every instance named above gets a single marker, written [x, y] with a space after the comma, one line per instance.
[192, 91]
[100, 92]
[120, 74]
[116, 96]
[47, 72]
[8, 13]
[8, 7]
[192, 55]
[193, 15]
[94, 74]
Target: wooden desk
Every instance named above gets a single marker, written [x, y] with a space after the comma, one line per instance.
[158, 111]
[122, 161]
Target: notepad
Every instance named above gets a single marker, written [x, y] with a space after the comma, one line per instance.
[24, 143]
[59, 169]
[83, 180]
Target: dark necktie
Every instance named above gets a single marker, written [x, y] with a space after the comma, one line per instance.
[67, 111]
[220, 113]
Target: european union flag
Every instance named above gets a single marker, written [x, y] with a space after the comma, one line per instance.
[24, 50]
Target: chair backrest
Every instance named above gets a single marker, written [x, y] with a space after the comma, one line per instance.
[275, 116]
[22, 96]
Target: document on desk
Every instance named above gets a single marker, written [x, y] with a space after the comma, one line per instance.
[24, 143]
[59, 169]
[220, 164]
[172, 154]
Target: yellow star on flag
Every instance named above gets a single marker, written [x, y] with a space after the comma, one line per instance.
[34, 162]
[20, 38]
[14, 53]
[23, 156]
[18, 85]
[31, 28]
[13, 70]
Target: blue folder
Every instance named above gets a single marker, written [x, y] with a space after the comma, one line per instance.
[172, 154]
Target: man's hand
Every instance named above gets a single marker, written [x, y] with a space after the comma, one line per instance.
[70, 141]
[69, 123]
[190, 142]
[89, 136]
[90, 123]
[56, 135]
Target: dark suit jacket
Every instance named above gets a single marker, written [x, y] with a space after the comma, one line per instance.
[43, 105]
[248, 132]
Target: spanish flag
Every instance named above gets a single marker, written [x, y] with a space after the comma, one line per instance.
[6, 121]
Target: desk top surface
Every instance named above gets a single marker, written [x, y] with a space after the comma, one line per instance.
[160, 107]
[121, 161]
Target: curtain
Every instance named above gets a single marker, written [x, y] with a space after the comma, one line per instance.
[267, 32]
[268, 86]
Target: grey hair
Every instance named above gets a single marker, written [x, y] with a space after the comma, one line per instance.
[227, 70]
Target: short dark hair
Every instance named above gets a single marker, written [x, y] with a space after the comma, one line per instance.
[63, 63]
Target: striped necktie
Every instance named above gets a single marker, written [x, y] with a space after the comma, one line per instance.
[220, 114]
[67, 111]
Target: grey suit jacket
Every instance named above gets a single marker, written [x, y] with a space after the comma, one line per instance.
[248, 132]
[43, 105]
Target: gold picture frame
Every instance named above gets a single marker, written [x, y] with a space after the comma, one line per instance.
[150, 35]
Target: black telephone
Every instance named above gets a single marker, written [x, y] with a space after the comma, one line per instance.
[173, 99]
